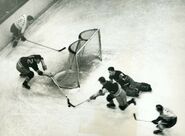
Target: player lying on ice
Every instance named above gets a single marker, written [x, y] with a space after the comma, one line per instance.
[25, 63]
[115, 91]
[131, 87]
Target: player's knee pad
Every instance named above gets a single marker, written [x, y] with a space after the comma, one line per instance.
[30, 74]
[109, 98]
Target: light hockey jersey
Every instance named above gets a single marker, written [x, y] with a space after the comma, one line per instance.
[167, 114]
[21, 23]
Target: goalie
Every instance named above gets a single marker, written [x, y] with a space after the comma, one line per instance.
[131, 87]
[25, 63]
[115, 92]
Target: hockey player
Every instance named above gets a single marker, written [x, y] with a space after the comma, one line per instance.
[25, 63]
[115, 91]
[131, 87]
[166, 119]
[18, 28]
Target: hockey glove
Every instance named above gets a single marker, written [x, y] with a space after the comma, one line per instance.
[23, 38]
[92, 97]
[154, 121]
[44, 67]
[40, 72]
[100, 92]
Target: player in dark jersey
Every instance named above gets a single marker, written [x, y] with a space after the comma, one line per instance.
[115, 91]
[166, 119]
[131, 87]
[25, 63]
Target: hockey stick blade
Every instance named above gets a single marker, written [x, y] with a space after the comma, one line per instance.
[134, 116]
[62, 49]
[69, 104]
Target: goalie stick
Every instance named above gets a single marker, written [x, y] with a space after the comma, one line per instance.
[68, 101]
[46, 46]
[140, 119]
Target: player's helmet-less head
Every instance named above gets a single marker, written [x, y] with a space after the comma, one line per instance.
[159, 107]
[30, 18]
[102, 80]
[38, 57]
[111, 69]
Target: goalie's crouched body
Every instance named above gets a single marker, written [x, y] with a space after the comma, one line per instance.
[25, 63]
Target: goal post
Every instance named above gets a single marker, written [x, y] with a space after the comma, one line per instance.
[83, 56]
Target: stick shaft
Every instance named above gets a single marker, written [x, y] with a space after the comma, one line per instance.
[58, 86]
[139, 119]
[45, 46]
[143, 120]
[81, 102]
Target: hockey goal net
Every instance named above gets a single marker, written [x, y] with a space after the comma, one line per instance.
[83, 56]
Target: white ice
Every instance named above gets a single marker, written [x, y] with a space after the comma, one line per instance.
[144, 39]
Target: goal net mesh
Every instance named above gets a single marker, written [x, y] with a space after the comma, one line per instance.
[84, 54]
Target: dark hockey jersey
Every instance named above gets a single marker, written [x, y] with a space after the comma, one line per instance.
[29, 61]
[117, 77]
[111, 87]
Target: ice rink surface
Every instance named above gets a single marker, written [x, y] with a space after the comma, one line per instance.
[144, 39]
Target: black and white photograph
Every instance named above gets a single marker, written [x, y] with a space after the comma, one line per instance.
[92, 67]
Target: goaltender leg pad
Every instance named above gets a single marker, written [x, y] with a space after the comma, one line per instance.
[130, 91]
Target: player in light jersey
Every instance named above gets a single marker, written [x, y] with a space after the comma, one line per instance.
[166, 119]
[18, 28]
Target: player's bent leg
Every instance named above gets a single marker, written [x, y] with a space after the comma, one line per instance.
[25, 83]
[16, 32]
[123, 107]
[132, 101]
[23, 71]
[170, 123]
[111, 102]
[30, 75]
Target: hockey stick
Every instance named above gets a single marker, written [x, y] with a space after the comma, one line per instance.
[46, 46]
[140, 119]
[68, 101]
[82, 102]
